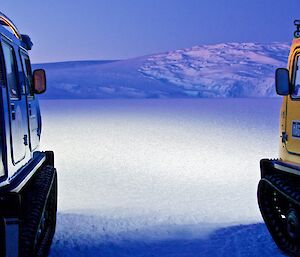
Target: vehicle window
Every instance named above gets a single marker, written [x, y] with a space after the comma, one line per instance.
[11, 71]
[296, 84]
[27, 72]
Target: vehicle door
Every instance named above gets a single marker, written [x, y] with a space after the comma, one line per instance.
[32, 104]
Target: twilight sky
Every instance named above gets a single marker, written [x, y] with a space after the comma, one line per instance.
[65, 30]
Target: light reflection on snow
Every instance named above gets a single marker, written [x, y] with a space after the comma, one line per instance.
[161, 162]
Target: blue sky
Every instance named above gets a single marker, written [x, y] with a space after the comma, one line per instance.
[117, 29]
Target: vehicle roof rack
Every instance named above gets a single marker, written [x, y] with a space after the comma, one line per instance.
[5, 21]
[26, 41]
[297, 32]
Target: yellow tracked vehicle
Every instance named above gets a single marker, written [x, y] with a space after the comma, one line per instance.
[279, 187]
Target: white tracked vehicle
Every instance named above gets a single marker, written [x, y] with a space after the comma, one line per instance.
[28, 179]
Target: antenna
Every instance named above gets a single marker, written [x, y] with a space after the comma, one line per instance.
[297, 32]
[5, 21]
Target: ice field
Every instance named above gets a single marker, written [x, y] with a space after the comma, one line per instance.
[160, 177]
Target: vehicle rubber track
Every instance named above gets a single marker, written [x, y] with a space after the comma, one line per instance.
[279, 203]
[39, 214]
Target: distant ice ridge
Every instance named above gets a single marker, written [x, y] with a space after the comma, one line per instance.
[222, 70]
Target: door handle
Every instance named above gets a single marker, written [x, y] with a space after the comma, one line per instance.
[13, 112]
[13, 115]
[29, 109]
[25, 138]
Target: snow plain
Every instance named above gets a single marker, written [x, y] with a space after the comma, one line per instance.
[160, 177]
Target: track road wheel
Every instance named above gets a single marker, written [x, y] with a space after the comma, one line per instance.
[278, 199]
[39, 214]
[292, 224]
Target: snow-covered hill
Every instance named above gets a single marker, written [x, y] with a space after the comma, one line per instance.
[222, 70]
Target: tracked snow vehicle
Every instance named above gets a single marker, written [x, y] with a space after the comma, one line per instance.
[28, 179]
[279, 187]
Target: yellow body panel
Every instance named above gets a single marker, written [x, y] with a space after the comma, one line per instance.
[290, 111]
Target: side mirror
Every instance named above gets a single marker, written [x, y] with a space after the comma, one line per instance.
[39, 81]
[283, 85]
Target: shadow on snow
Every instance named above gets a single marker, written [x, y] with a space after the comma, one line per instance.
[243, 240]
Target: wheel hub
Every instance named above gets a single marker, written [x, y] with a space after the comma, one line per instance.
[292, 224]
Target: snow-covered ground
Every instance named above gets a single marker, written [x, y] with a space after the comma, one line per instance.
[160, 177]
[222, 70]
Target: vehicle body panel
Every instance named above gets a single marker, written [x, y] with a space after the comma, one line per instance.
[290, 115]
[20, 116]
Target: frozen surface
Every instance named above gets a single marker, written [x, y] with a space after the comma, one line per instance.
[160, 177]
[222, 70]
